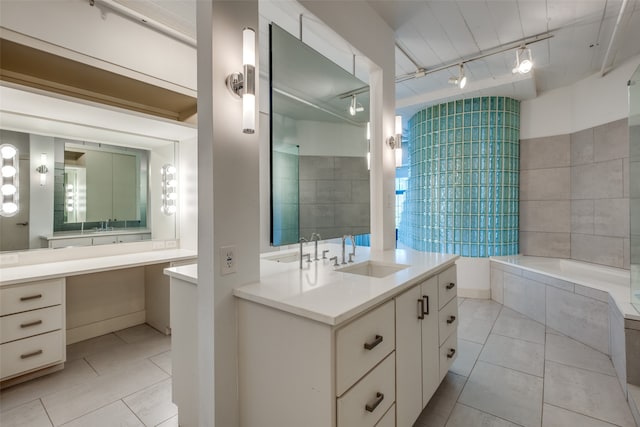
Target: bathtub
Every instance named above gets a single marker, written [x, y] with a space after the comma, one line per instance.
[587, 302]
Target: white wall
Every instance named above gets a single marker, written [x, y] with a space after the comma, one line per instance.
[117, 43]
[585, 104]
[331, 139]
[41, 196]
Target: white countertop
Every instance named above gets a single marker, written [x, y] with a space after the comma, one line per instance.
[186, 273]
[94, 233]
[320, 293]
[50, 270]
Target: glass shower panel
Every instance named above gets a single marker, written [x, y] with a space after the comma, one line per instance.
[634, 187]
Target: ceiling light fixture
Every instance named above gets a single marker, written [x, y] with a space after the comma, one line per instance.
[461, 80]
[524, 63]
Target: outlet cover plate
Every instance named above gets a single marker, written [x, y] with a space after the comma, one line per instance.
[227, 260]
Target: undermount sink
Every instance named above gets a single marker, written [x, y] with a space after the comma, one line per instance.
[372, 269]
[288, 257]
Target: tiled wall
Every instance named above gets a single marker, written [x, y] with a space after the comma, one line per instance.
[463, 187]
[334, 196]
[574, 195]
[285, 197]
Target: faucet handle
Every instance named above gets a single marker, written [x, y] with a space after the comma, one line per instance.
[351, 257]
[308, 257]
[324, 253]
[335, 260]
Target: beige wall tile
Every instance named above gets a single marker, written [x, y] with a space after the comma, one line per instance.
[598, 249]
[548, 216]
[582, 147]
[545, 244]
[545, 184]
[611, 141]
[547, 152]
[597, 181]
[582, 216]
[611, 217]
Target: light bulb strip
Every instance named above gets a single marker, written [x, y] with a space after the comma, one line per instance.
[9, 188]
[169, 189]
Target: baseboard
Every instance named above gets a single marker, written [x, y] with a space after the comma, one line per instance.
[633, 396]
[103, 327]
[474, 293]
[31, 375]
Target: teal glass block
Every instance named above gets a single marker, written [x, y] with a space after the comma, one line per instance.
[475, 121]
[467, 105]
[458, 134]
[443, 122]
[493, 103]
[501, 103]
[459, 106]
[476, 104]
[475, 134]
[451, 108]
[484, 103]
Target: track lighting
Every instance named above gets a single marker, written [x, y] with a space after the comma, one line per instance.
[354, 106]
[524, 63]
[461, 80]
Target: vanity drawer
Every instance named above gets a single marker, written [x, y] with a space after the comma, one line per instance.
[31, 353]
[448, 320]
[448, 353]
[389, 419]
[447, 286]
[29, 323]
[31, 296]
[366, 403]
[362, 344]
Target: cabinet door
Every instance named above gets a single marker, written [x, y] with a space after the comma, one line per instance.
[125, 187]
[430, 341]
[408, 356]
[99, 185]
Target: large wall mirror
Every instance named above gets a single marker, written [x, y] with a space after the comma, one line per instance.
[634, 179]
[319, 144]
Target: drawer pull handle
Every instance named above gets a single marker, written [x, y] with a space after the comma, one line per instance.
[451, 319]
[450, 286]
[420, 309]
[452, 351]
[371, 345]
[28, 355]
[34, 323]
[29, 298]
[426, 304]
[372, 407]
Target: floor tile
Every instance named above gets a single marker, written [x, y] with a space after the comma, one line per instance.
[112, 360]
[73, 373]
[476, 319]
[93, 346]
[571, 352]
[505, 393]
[468, 353]
[137, 333]
[88, 396]
[590, 393]
[153, 404]
[115, 414]
[163, 360]
[437, 411]
[512, 353]
[552, 416]
[512, 324]
[171, 422]
[460, 301]
[30, 414]
[465, 416]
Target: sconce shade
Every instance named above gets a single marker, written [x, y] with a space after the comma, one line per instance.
[9, 188]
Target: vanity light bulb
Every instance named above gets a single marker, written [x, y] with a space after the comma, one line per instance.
[171, 209]
[69, 208]
[171, 170]
[8, 171]
[10, 207]
[8, 189]
[172, 183]
[70, 187]
[8, 151]
[172, 196]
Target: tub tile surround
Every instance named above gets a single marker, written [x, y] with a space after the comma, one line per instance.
[574, 196]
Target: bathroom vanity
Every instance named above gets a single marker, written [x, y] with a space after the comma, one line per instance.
[63, 239]
[365, 344]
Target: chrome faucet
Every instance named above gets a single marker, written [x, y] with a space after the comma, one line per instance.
[302, 240]
[314, 238]
[353, 244]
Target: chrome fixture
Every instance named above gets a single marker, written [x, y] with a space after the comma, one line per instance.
[243, 85]
[169, 189]
[395, 141]
[302, 240]
[324, 253]
[355, 106]
[42, 169]
[461, 80]
[353, 244]
[9, 188]
[335, 260]
[314, 238]
[524, 63]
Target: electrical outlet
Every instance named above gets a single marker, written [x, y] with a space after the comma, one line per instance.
[158, 244]
[169, 244]
[227, 260]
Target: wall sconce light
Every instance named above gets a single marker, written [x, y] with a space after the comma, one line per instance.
[395, 141]
[461, 80]
[9, 188]
[243, 85]
[169, 189]
[42, 169]
[524, 63]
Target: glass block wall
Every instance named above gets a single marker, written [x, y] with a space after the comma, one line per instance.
[464, 162]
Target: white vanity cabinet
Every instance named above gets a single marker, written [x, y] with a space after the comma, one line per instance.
[32, 327]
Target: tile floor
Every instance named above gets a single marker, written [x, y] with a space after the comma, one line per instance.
[511, 371]
[119, 379]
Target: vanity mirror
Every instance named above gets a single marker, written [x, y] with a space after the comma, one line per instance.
[319, 144]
